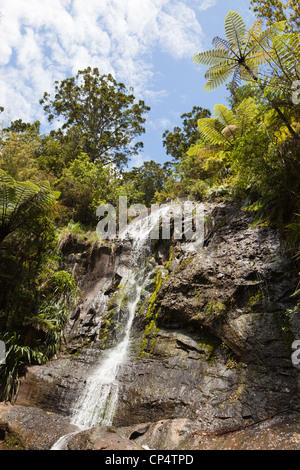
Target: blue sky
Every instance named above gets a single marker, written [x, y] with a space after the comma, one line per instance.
[146, 44]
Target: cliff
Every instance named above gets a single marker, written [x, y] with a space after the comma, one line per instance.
[210, 343]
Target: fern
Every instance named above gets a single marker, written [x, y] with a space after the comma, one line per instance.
[235, 30]
[243, 52]
[22, 201]
[224, 115]
[211, 130]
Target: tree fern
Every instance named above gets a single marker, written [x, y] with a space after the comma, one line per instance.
[21, 201]
[241, 54]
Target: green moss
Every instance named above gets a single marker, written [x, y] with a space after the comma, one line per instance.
[13, 443]
[153, 310]
[209, 344]
[255, 299]
[284, 321]
[104, 332]
[215, 308]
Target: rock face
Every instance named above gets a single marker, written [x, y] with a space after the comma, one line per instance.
[221, 354]
[211, 342]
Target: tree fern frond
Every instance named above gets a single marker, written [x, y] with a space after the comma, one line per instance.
[259, 57]
[21, 202]
[286, 50]
[235, 30]
[264, 41]
[216, 69]
[225, 116]
[211, 130]
[253, 33]
[201, 152]
[223, 44]
[245, 114]
[220, 77]
[212, 57]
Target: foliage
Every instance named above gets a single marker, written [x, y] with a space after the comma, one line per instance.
[180, 139]
[275, 10]
[22, 202]
[173, 189]
[100, 117]
[16, 357]
[83, 186]
[29, 285]
[17, 155]
[148, 179]
[242, 53]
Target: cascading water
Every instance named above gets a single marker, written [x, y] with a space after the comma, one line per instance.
[97, 403]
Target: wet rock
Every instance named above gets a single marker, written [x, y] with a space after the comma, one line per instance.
[97, 438]
[220, 351]
[30, 428]
[277, 433]
[163, 435]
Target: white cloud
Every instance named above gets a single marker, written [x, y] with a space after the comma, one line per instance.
[160, 124]
[42, 41]
[138, 160]
[206, 4]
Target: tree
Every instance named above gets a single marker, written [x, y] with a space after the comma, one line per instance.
[149, 179]
[100, 116]
[275, 10]
[179, 141]
[240, 54]
[83, 186]
[17, 154]
[20, 127]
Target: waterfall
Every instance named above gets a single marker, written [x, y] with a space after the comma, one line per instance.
[97, 403]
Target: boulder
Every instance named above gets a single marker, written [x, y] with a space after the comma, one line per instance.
[31, 428]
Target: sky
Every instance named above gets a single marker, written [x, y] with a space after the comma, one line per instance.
[146, 44]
